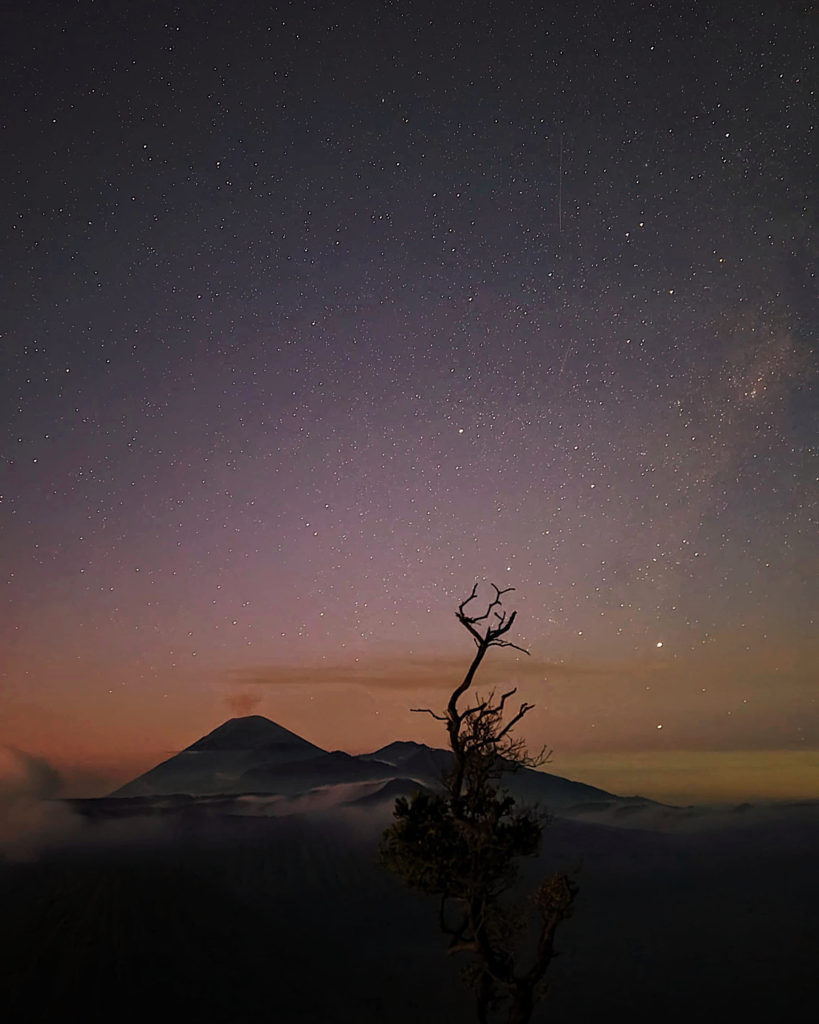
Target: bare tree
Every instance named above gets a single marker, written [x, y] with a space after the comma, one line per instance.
[463, 844]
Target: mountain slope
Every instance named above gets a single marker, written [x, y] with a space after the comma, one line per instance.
[216, 762]
[331, 769]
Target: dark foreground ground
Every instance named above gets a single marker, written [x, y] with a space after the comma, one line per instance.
[216, 920]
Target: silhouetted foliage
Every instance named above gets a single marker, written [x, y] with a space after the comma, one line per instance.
[463, 844]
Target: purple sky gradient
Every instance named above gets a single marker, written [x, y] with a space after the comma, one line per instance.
[312, 319]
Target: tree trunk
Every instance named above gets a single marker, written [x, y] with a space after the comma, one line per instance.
[523, 1005]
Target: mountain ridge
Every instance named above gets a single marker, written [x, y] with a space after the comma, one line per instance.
[255, 755]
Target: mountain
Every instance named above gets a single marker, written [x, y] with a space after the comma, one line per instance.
[216, 762]
[395, 753]
[417, 761]
[253, 755]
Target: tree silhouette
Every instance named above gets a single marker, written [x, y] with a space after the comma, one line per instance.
[463, 843]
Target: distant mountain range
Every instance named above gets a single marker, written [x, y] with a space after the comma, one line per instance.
[253, 756]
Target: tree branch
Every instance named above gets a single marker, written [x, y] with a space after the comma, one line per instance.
[429, 711]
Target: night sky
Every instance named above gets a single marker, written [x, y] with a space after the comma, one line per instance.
[315, 314]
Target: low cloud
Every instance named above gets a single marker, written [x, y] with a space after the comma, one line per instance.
[31, 816]
[35, 821]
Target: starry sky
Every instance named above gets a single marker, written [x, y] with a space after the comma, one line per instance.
[315, 314]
